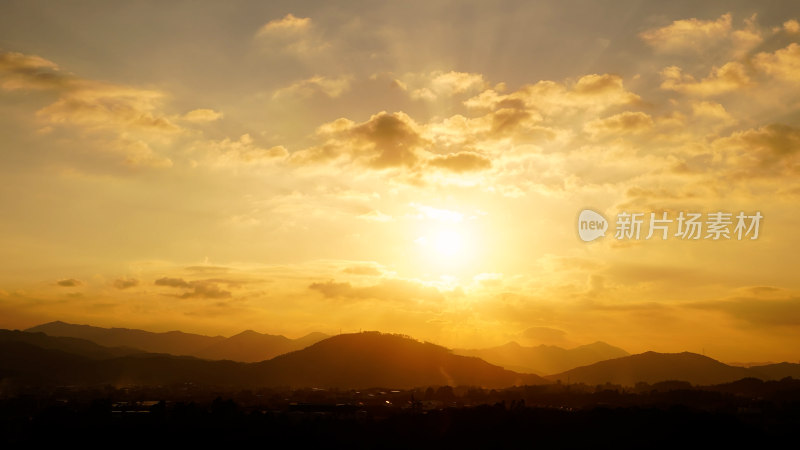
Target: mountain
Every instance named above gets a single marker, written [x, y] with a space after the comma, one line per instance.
[652, 367]
[172, 342]
[372, 359]
[777, 371]
[22, 363]
[343, 361]
[544, 359]
[251, 346]
[75, 346]
[248, 346]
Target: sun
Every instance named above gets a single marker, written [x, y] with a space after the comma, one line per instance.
[445, 250]
[448, 244]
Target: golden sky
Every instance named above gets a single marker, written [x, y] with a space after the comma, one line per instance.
[412, 167]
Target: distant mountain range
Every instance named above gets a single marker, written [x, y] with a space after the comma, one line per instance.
[248, 346]
[358, 360]
[64, 354]
[652, 367]
[544, 359]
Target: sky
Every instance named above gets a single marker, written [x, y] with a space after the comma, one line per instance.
[415, 167]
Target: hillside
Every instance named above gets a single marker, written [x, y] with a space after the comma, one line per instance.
[375, 359]
[652, 367]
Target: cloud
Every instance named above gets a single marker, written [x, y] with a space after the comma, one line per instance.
[109, 118]
[439, 84]
[231, 153]
[700, 36]
[202, 289]
[287, 25]
[791, 26]
[370, 270]
[730, 77]
[783, 64]
[29, 72]
[461, 162]
[392, 138]
[202, 115]
[106, 106]
[376, 216]
[197, 289]
[592, 92]
[292, 34]
[626, 122]
[456, 149]
[172, 282]
[384, 141]
[438, 214]
[125, 283]
[711, 110]
[761, 152]
[69, 282]
[137, 153]
[331, 87]
[387, 289]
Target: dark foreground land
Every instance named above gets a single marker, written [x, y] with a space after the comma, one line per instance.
[665, 415]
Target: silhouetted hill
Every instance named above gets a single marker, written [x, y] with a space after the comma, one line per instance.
[172, 342]
[652, 367]
[22, 363]
[544, 359]
[372, 359]
[248, 346]
[75, 346]
[344, 361]
[777, 371]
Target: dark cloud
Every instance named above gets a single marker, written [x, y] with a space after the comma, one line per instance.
[125, 283]
[384, 141]
[391, 138]
[332, 288]
[69, 282]
[196, 289]
[202, 289]
[506, 120]
[172, 282]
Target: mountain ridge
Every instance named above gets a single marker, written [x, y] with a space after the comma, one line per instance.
[359, 360]
[247, 346]
[653, 367]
